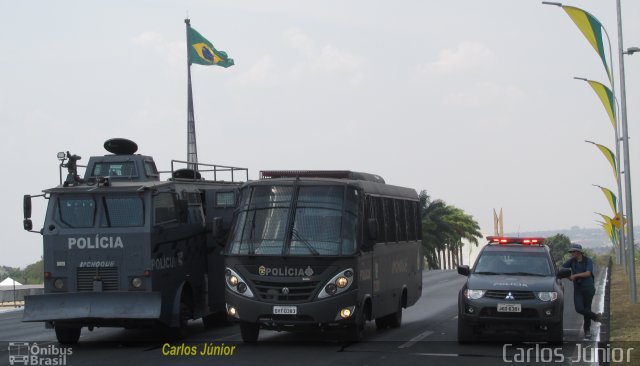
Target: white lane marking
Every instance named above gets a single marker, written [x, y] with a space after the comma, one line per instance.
[236, 336]
[416, 339]
[437, 354]
[454, 318]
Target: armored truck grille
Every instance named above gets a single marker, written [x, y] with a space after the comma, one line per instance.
[502, 295]
[285, 291]
[108, 276]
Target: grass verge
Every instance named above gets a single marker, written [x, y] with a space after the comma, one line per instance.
[624, 317]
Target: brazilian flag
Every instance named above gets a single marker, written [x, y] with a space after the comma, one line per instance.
[202, 52]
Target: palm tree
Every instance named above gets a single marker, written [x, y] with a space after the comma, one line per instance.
[443, 229]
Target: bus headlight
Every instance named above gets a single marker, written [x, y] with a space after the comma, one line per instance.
[342, 282]
[236, 284]
[337, 284]
[58, 283]
[345, 313]
[233, 280]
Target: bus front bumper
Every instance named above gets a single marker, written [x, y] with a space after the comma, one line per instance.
[92, 305]
[320, 312]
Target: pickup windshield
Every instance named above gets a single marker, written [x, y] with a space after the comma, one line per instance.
[517, 263]
[302, 221]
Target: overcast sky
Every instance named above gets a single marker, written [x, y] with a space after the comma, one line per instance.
[473, 101]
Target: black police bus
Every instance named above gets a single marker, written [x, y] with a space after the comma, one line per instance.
[329, 249]
[123, 248]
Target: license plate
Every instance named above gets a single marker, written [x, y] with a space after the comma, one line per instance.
[509, 308]
[286, 310]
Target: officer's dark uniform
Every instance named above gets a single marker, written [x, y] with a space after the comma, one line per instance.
[583, 288]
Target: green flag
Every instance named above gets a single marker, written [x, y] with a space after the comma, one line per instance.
[202, 52]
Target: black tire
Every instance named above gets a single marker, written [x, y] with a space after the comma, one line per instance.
[556, 334]
[219, 319]
[182, 330]
[355, 332]
[393, 320]
[465, 332]
[381, 323]
[249, 332]
[67, 334]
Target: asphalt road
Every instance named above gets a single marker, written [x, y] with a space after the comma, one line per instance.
[427, 336]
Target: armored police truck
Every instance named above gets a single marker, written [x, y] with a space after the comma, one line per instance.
[123, 248]
[322, 249]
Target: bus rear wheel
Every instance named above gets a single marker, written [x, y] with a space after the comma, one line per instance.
[249, 332]
[393, 320]
[67, 334]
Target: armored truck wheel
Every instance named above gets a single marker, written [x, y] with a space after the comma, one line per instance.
[215, 320]
[249, 332]
[67, 334]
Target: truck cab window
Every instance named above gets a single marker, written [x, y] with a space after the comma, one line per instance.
[164, 208]
[77, 212]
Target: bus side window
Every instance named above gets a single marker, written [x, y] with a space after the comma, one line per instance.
[370, 210]
[401, 222]
[410, 208]
[390, 220]
[379, 208]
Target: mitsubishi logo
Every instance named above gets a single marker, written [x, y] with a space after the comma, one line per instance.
[509, 297]
[285, 291]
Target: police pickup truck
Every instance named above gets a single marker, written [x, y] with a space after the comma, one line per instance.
[513, 289]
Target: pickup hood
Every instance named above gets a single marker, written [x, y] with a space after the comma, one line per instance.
[511, 283]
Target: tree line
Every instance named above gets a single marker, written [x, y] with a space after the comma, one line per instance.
[32, 274]
[444, 227]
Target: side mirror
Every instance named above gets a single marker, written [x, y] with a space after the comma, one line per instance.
[372, 229]
[28, 225]
[26, 206]
[216, 227]
[563, 273]
[464, 270]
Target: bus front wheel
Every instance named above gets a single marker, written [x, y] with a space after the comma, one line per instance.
[249, 332]
[355, 331]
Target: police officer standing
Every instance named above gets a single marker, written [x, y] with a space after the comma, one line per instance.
[583, 286]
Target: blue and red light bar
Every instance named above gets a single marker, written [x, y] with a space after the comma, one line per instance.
[508, 240]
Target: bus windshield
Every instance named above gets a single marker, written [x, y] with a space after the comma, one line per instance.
[304, 220]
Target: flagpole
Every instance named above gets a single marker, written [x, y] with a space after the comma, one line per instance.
[192, 149]
[627, 165]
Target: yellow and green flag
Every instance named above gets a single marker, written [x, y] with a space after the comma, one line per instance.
[611, 198]
[609, 155]
[200, 51]
[606, 97]
[608, 227]
[592, 30]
